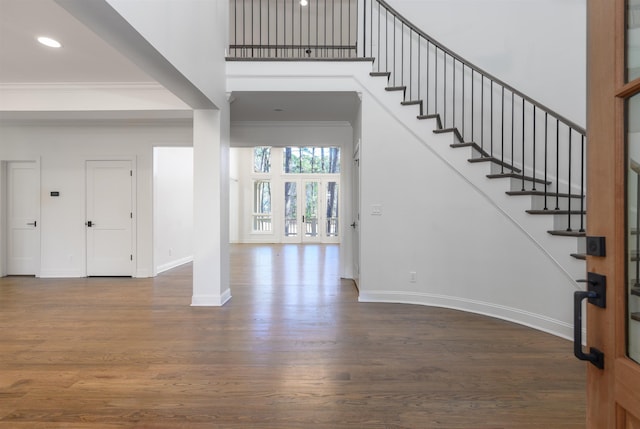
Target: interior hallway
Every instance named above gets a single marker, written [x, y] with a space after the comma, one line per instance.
[292, 349]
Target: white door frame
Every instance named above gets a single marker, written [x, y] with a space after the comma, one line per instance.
[4, 222]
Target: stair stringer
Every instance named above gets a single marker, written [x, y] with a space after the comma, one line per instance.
[512, 212]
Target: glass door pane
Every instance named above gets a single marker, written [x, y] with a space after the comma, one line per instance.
[291, 209]
[311, 209]
[332, 209]
[633, 226]
[633, 40]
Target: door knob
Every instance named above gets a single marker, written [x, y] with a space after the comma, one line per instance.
[353, 225]
[34, 223]
[89, 224]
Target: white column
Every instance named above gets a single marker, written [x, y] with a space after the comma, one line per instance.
[211, 207]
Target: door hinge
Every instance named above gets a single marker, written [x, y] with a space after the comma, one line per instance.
[131, 173]
[131, 257]
[131, 215]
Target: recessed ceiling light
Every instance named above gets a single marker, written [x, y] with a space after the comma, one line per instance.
[278, 110]
[48, 41]
[303, 2]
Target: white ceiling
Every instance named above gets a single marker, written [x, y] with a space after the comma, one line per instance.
[86, 58]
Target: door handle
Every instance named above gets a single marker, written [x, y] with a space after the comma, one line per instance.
[302, 218]
[34, 223]
[89, 224]
[596, 294]
[353, 225]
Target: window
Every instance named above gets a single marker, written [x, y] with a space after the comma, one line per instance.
[262, 206]
[306, 160]
[261, 159]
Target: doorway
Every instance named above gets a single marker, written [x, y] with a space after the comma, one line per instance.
[311, 211]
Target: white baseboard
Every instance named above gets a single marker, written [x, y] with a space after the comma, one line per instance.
[54, 274]
[532, 320]
[211, 300]
[173, 264]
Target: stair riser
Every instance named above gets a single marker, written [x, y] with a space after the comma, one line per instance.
[561, 222]
[498, 169]
[538, 202]
[516, 185]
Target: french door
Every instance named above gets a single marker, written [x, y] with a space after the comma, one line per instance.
[311, 211]
[613, 207]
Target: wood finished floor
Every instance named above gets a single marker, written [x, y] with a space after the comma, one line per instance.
[292, 349]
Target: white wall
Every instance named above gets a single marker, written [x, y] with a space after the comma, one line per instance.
[537, 46]
[63, 148]
[191, 34]
[173, 206]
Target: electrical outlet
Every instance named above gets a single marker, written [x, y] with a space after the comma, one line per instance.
[412, 276]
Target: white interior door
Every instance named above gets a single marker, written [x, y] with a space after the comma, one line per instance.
[23, 198]
[311, 212]
[109, 222]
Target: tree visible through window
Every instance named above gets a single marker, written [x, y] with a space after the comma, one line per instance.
[262, 206]
[261, 159]
[311, 160]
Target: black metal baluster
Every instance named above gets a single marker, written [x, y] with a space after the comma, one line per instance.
[244, 19]
[534, 148]
[394, 50]
[436, 83]
[260, 28]
[419, 67]
[410, 64]
[523, 169]
[491, 118]
[444, 77]
[557, 164]
[364, 26]
[546, 138]
[378, 57]
[463, 102]
[386, 40]
[235, 26]
[428, 75]
[569, 186]
[502, 133]
[453, 95]
[341, 28]
[402, 57]
[582, 185]
[482, 111]
[513, 123]
[473, 130]
[284, 29]
[252, 28]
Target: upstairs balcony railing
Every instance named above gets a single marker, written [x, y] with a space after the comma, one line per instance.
[525, 139]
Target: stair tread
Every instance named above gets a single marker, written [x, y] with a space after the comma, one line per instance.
[495, 161]
[555, 212]
[516, 176]
[564, 233]
[450, 130]
[380, 74]
[395, 88]
[550, 194]
[582, 256]
[411, 102]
